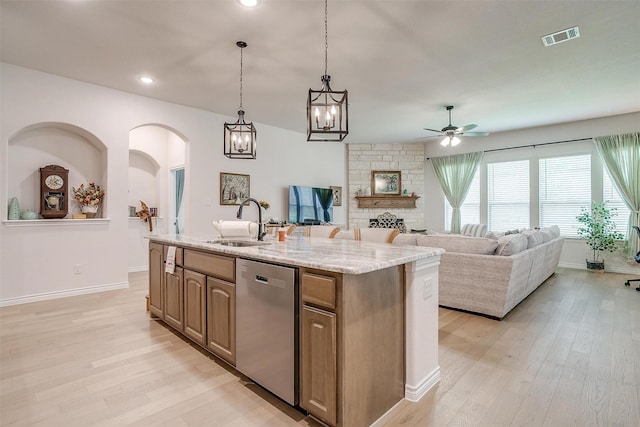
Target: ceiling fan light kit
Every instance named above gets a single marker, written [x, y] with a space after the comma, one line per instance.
[327, 109]
[240, 138]
[453, 140]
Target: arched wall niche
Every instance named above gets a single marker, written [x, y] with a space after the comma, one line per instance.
[143, 173]
[63, 144]
[155, 150]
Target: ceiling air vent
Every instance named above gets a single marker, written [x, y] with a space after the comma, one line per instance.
[561, 36]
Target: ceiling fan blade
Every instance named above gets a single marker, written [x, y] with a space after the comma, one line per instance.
[433, 130]
[467, 127]
[475, 133]
[430, 136]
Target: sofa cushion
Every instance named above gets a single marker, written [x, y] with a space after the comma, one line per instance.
[511, 244]
[458, 243]
[534, 238]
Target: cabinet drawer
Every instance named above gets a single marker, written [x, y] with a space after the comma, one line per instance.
[319, 290]
[179, 254]
[219, 266]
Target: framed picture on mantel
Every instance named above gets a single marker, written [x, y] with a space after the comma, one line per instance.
[234, 188]
[386, 183]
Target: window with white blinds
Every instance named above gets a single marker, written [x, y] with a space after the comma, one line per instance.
[508, 195]
[470, 209]
[565, 188]
[614, 200]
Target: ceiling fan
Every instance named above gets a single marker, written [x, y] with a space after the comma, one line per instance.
[451, 133]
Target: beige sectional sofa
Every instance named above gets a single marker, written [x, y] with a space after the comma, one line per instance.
[490, 276]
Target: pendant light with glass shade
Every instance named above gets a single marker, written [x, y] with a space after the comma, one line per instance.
[240, 137]
[327, 110]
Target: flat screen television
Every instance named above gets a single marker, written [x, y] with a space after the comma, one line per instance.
[310, 205]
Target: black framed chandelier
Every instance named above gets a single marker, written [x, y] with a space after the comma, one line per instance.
[327, 109]
[240, 137]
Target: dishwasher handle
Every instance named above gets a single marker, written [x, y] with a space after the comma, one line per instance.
[262, 279]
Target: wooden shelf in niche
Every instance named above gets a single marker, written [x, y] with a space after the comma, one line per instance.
[387, 201]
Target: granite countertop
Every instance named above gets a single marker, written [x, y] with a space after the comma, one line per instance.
[338, 255]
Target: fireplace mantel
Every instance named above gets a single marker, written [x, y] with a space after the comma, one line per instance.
[387, 201]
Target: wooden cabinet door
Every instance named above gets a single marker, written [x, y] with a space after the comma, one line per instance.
[195, 321]
[156, 276]
[221, 318]
[318, 358]
[174, 299]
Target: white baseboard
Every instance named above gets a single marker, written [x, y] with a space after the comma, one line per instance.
[415, 393]
[138, 269]
[62, 294]
[608, 269]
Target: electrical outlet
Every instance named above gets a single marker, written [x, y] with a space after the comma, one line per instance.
[427, 290]
[77, 269]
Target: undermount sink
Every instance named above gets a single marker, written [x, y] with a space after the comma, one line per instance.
[242, 243]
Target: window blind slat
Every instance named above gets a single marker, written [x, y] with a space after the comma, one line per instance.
[508, 195]
[564, 187]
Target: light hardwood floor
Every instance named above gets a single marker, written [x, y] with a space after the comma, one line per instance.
[568, 355]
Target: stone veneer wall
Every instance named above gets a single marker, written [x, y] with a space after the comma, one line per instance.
[407, 158]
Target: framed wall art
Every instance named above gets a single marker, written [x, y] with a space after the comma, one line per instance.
[337, 195]
[386, 183]
[234, 188]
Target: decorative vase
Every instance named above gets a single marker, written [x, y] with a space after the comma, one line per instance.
[28, 214]
[90, 210]
[14, 209]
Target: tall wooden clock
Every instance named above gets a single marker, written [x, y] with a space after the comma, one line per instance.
[54, 191]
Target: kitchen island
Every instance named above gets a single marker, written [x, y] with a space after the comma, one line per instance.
[366, 324]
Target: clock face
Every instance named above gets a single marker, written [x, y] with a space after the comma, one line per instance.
[54, 182]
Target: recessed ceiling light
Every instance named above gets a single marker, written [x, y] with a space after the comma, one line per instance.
[146, 79]
[249, 3]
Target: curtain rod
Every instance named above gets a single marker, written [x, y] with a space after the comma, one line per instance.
[538, 145]
[533, 145]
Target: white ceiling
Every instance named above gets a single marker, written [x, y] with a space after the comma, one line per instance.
[401, 60]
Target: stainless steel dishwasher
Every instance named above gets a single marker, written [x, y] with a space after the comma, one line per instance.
[266, 327]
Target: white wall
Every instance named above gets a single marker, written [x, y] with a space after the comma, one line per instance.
[574, 251]
[29, 97]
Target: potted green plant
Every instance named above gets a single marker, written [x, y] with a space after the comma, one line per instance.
[599, 231]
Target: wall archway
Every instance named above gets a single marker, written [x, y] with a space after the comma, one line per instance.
[155, 151]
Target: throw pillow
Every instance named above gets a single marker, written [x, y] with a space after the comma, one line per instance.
[554, 229]
[534, 238]
[494, 235]
[475, 230]
[511, 244]
[546, 234]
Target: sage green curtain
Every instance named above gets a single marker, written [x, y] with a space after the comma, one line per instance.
[621, 157]
[325, 196]
[455, 174]
[179, 206]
